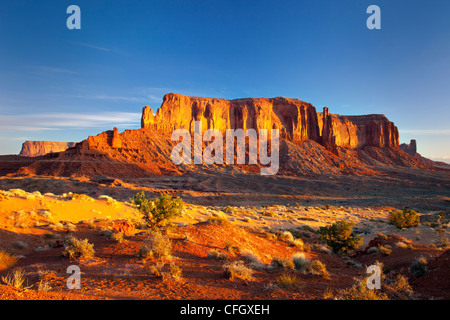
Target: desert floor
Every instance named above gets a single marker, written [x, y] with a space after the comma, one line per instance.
[37, 215]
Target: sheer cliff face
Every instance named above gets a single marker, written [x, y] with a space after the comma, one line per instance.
[296, 120]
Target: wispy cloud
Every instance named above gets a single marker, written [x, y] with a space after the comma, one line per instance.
[60, 121]
[88, 45]
[427, 131]
[50, 69]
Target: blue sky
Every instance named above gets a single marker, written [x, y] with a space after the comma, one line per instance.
[64, 85]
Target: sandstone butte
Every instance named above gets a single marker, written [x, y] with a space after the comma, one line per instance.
[296, 120]
[311, 142]
[39, 148]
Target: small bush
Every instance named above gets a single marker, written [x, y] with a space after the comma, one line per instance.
[237, 269]
[158, 212]
[301, 263]
[220, 221]
[216, 254]
[288, 280]
[158, 246]
[7, 260]
[318, 268]
[16, 279]
[405, 218]
[76, 248]
[385, 250]
[277, 263]
[419, 267]
[174, 273]
[117, 236]
[401, 289]
[340, 237]
[359, 291]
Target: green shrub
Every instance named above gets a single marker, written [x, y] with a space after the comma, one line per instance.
[158, 212]
[405, 218]
[340, 237]
[76, 248]
[419, 267]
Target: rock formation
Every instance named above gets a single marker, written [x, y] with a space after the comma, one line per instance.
[410, 148]
[311, 142]
[296, 120]
[40, 148]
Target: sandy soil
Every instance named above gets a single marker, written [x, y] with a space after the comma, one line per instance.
[34, 225]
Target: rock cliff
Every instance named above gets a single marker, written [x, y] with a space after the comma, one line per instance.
[40, 148]
[296, 120]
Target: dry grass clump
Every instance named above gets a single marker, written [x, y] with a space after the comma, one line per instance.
[76, 248]
[300, 261]
[237, 269]
[118, 237]
[318, 268]
[216, 254]
[220, 221]
[158, 246]
[7, 260]
[278, 262]
[360, 291]
[16, 279]
[288, 280]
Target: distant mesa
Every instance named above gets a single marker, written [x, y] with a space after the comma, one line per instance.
[40, 148]
[311, 142]
[296, 120]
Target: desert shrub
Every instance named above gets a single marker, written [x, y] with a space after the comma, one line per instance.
[318, 268]
[216, 254]
[405, 218]
[400, 289]
[220, 221]
[174, 273]
[288, 280]
[158, 246]
[419, 267]
[7, 260]
[117, 236]
[360, 291]
[385, 250]
[286, 236]
[104, 232]
[278, 262]
[301, 263]
[16, 279]
[158, 212]
[76, 248]
[340, 237]
[237, 269]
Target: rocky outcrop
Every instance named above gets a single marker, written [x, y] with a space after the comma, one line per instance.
[40, 148]
[296, 120]
[410, 148]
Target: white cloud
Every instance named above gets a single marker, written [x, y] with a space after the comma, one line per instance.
[427, 131]
[60, 121]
